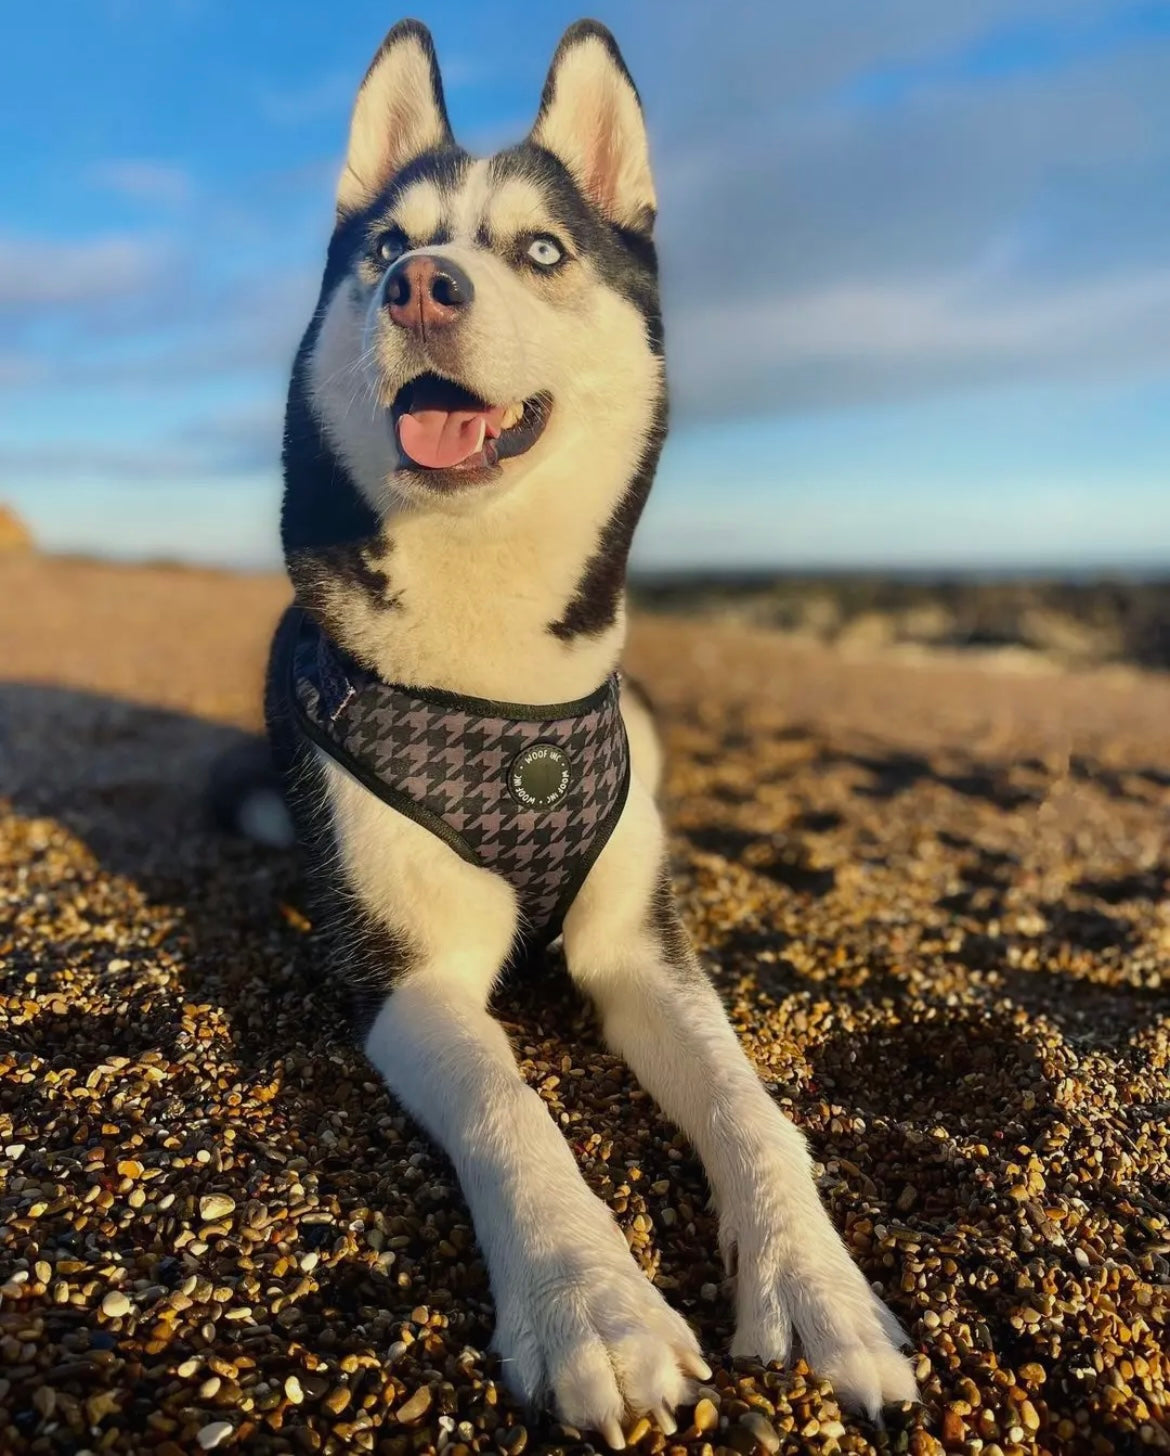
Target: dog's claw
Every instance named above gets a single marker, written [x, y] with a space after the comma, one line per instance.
[694, 1364]
[666, 1422]
[611, 1433]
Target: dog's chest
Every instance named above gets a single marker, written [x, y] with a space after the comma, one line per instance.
[530, 793]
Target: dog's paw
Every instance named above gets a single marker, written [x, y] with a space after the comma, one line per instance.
[814, 1288]
[598, 1342]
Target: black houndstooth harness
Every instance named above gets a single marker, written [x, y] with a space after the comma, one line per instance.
[530, 792]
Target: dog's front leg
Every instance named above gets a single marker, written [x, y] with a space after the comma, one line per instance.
[575, 1317]
[626, 947]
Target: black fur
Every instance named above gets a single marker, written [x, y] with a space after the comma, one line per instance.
[315, 575]
[593, 607]
[322, 507]
[368, 957]
[326, 523]
[668, 928]
[624, 259]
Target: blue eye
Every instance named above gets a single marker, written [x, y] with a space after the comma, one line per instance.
[391, 246]
[545, 252]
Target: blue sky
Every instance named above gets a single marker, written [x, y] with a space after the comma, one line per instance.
[916, 262]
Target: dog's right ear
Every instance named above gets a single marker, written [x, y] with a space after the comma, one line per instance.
[399, 114]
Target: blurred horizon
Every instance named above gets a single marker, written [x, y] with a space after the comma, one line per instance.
[939, 340]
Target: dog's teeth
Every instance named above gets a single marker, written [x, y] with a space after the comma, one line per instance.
[482, 436]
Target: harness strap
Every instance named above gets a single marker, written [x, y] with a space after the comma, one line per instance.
[529, 792]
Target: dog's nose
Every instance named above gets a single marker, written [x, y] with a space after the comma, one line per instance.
[424, 291]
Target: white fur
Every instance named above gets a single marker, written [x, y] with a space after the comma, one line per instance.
[419, 210]
[575, 1316]
[521, 544]
[666, 1021]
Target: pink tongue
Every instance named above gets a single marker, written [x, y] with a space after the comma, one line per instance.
[439, 439]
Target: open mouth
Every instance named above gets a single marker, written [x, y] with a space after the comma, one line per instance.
[441, 426]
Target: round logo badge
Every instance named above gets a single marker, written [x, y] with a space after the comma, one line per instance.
[540, 775]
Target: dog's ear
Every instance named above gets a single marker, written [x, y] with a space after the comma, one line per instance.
[399, 114]
[591, 119]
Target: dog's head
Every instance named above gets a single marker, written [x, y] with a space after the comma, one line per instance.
[489, 325]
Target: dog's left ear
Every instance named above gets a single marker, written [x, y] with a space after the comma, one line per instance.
[590, 118]
[399, 114]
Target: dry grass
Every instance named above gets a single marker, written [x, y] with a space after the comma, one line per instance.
[933, 897]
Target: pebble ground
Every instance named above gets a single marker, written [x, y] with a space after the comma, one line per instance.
[933, 894]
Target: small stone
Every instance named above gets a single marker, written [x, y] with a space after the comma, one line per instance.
[706, 1416]
[293, 1390]
[101, 1405]
[214, 1434]
[922, 1443]
[337, 1399]
[954, 1428]
[116, 1305]
[1029, 1415]
[513, 1440]
[215, 1205]
[416, 1407]
[907, 1198]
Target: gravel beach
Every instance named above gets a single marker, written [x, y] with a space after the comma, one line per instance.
[933, 891]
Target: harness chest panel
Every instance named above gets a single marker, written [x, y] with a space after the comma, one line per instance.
[531, 793]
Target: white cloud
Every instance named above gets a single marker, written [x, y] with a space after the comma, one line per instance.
[158, 183]
[884, 338]
[39, 274]
[821, 248]
[20, 370]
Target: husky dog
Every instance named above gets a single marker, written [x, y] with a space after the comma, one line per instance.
[474, 420]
